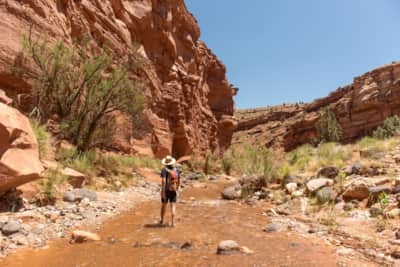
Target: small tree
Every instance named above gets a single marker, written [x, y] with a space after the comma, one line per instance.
[328, 127]
[82, 86]
[390, 128]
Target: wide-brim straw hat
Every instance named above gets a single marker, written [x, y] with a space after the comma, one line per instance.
[168, 161]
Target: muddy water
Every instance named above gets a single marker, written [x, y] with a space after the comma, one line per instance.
[133, 239]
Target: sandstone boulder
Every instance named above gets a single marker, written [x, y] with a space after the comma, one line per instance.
[75, 178]
[19, 155]
[231, 193]
[227, 247]
[315, 184]
[358, 189]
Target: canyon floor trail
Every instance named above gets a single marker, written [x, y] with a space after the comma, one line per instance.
[132, 239]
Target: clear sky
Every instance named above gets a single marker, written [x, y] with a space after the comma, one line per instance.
[281, 51]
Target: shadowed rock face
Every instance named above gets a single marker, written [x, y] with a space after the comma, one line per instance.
[359, 107]
[190, 104]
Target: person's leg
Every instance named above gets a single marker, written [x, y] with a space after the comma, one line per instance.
[163, 207]
[173, 204]
[173, 208]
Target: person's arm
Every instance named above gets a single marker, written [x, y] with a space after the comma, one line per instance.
[163, 184]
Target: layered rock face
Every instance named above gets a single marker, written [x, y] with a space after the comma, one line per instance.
[19, 155]
[190, 102]
[360, 108]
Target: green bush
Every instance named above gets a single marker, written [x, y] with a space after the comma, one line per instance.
[390, 128]
[253, 161]
[328, 127]
[48, 187]
[41, 136]
[83, 86]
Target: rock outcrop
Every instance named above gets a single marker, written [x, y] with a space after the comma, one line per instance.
[359, 107]
[190, 105]
[19, 155]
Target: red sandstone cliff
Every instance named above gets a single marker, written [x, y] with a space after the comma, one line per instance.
[190, 104]
[359, 108]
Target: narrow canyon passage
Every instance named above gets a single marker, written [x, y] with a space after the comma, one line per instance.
[132, 239]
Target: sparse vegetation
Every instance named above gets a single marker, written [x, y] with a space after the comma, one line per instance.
[390, 128]
[49, 187]
[41, 136]
[328, 127]
[111, 167]
[83, 87]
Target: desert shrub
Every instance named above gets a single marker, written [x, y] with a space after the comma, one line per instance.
[300, 157]
[82, 86]
[332, 154]
[390, 128]
[227, 164]
[328, 127]
[371, 145]
[254, 161]
[48, 187]
[41, 136]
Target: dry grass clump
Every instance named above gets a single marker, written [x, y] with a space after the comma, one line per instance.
[113, 170]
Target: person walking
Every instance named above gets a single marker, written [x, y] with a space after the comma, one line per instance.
[170, 182]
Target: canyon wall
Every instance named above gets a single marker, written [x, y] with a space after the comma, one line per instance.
[359, 107]
[190, 102]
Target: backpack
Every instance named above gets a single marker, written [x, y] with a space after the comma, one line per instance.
[173, 180]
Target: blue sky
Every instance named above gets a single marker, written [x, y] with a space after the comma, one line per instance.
[281, 51]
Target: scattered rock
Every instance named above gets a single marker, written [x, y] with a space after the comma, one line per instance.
[358, 190]
[394, 213]
[396, 189]
[377, 190]
[11, 227]
[291, 187]
[397, 234]
[325, 195]
[315, 184]
[246, 250]
[395, 253]
[328, 172]
[79, 194]
[187, 245]
[227, 246]
[375, 210]
[273, 227]
[231, 193]
[79, 236]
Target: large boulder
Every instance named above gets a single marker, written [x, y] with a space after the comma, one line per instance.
[19, 154]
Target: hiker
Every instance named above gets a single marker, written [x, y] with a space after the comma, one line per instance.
[170, 181]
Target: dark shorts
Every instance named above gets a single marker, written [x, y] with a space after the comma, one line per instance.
[170, 196]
